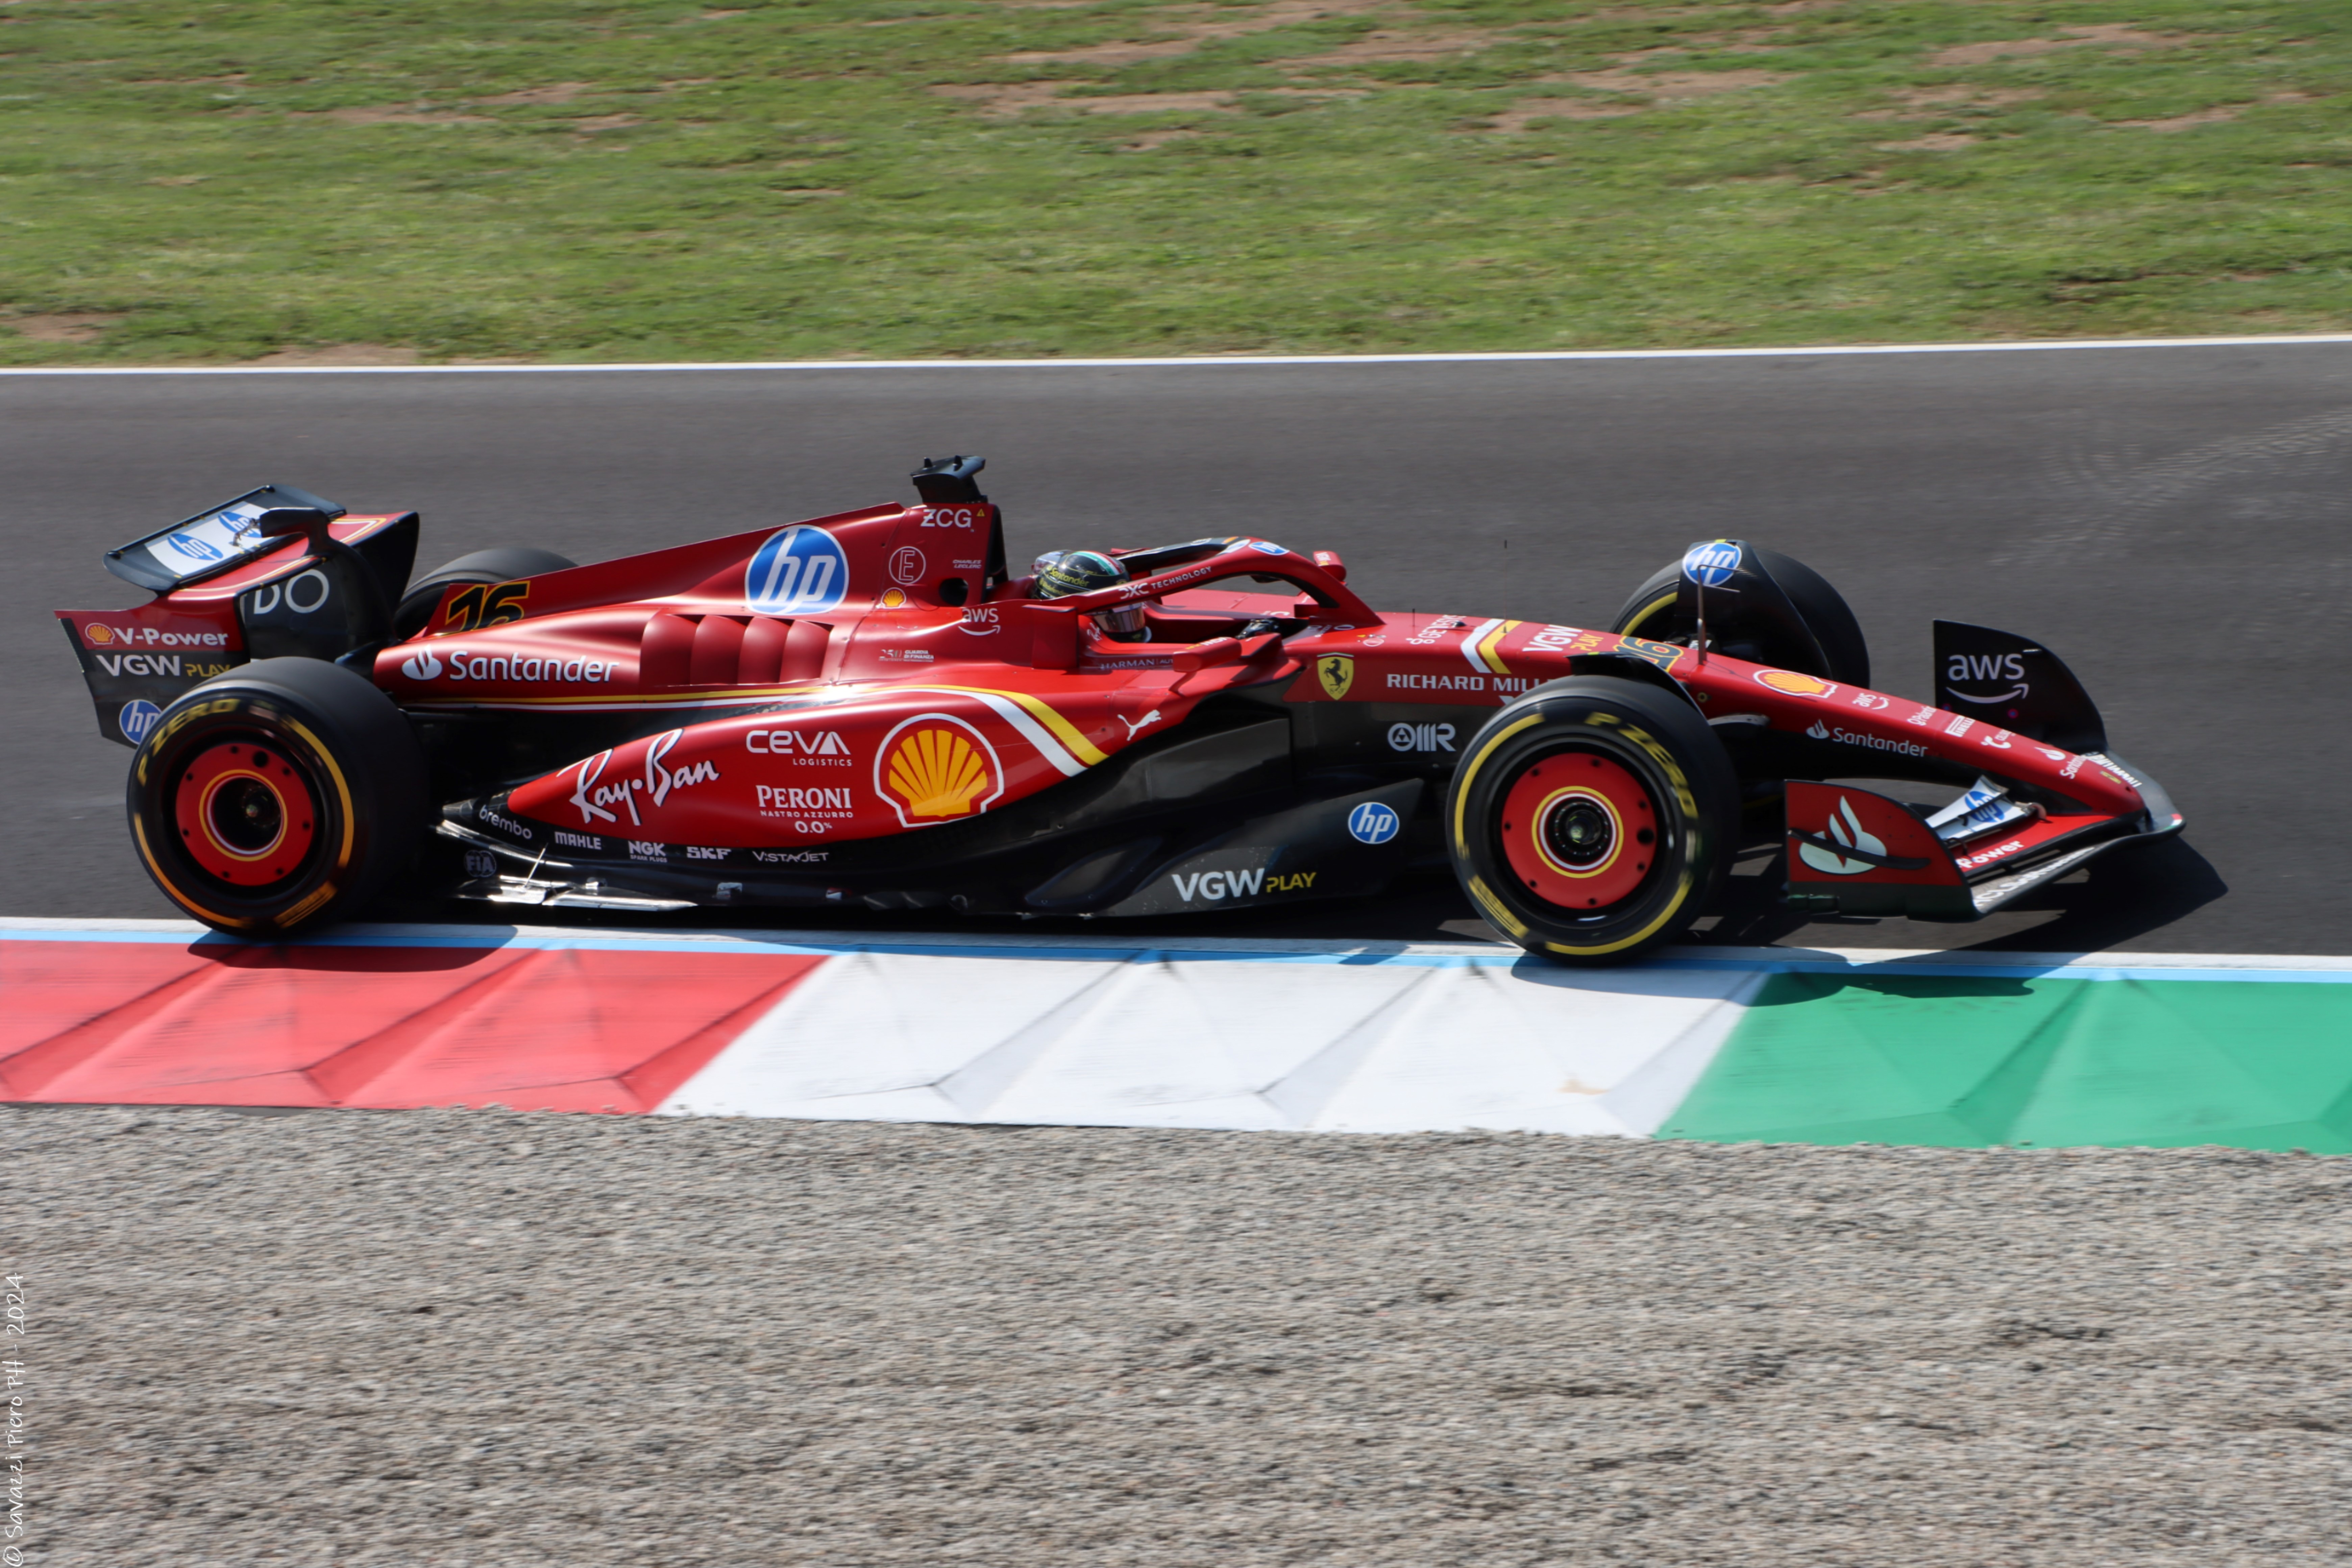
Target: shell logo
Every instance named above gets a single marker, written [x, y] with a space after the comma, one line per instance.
[100, 633]
[1795, 685]
[934, 768]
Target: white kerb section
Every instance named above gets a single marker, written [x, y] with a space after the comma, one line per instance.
[1170, 1039]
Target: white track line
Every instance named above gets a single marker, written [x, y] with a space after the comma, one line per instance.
[1096, 945]
[1816, 351]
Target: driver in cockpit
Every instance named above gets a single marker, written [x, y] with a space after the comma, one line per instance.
[1062, 572]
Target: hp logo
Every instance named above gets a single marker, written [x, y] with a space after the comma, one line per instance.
[798, 571]
[1710, 565]
[1372, 822]
[137, 719]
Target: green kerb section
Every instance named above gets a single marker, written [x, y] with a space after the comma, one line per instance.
[1970, 1063]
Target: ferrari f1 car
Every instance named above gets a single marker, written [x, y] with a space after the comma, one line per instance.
[873, 711]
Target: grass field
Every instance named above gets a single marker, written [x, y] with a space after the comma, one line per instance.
[639, 179]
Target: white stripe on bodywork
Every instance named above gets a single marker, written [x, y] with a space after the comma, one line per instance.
[1470, 641]
[1013, 713]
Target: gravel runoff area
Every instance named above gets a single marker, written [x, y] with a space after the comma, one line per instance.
[473, 1337]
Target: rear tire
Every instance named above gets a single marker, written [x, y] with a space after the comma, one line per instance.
[1653, 613]
[279, 795]
[504, 564]
[1592, 819]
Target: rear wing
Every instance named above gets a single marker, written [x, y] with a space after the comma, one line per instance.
[220, 538]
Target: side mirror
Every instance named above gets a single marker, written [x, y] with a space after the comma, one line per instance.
[1208, 655]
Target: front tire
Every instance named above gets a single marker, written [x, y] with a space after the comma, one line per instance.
[279, 795]
[1653, 611]
[1592, 819]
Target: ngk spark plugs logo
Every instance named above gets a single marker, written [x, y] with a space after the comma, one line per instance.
[934, 768]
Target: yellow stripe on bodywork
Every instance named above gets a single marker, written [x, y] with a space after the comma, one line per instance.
[1490, 648]
[1056, 739]
[1064, 731]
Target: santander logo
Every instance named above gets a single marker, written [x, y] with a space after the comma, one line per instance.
[420, 666]
[1846, 828]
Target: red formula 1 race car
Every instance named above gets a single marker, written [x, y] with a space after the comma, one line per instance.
[872, 711]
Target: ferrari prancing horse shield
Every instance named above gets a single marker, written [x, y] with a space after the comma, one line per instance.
[1337, 672]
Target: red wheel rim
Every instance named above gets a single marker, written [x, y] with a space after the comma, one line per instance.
[244, 814]
[1580, 831]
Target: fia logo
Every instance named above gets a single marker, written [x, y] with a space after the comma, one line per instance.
[1846, 828]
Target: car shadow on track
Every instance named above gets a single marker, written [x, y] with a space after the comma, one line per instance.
[2112, 901]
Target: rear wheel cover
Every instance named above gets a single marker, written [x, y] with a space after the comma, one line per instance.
[246, 814]
[283, 794]
[1592, 819]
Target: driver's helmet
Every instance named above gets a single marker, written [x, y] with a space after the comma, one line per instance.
[1068, 571]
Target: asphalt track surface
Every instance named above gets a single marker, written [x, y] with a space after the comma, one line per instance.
[2171, 520]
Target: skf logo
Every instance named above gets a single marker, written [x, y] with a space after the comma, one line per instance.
[1420, 737]
[1337, 671]
[932, 768]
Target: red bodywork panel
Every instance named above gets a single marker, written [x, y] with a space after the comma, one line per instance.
[859, 674]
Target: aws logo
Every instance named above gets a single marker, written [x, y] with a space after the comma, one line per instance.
[935, 768]
[1990, 668]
